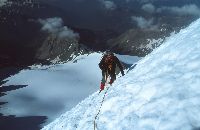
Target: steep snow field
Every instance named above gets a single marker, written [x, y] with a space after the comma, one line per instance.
[161, 93]
[52, 90]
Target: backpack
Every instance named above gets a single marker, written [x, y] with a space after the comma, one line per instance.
[109, 59]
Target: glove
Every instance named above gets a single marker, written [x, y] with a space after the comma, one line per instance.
[123, 74]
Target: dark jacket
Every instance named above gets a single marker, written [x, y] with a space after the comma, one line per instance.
[116, 62]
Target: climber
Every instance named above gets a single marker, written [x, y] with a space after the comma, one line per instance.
[108, 65]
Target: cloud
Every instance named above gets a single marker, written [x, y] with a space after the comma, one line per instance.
[149, 8]
[145, 1]
[127, 1]
[2, 2]
[51, 24]
[110, 5]
[141, 1]
[191, 9]
[55, 25]
[142, 22]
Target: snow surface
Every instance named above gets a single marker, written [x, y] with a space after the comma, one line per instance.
[161, 93]
[128, 59]
[54, 89]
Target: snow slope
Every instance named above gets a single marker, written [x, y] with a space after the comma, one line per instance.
[161, 93]
[52, 90]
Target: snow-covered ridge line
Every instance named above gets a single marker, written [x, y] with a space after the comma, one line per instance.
[160, 93]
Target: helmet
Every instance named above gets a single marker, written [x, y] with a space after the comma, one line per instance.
[108, 52]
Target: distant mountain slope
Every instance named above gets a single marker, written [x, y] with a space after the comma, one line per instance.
[142, 41]
[98, 26]
[161, 93]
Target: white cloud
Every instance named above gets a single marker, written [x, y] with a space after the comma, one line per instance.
[55, 25]
[144, 1]
[141, 1]
[127, 1]
[2, 2]
[51, 24]
[191, 9]
[66, 32]
[148, 8]
[110, 5]
[142, 22]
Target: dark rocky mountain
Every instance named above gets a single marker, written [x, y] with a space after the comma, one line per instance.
[58, 49]
[23, 42]
[20, 30]
[140, 42]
